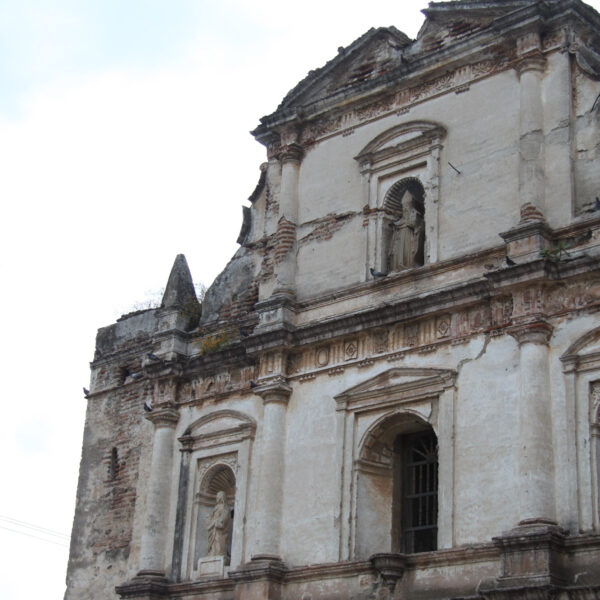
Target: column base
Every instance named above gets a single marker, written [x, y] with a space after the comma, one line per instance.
[532, 562]
[259, 579]
[146, 585]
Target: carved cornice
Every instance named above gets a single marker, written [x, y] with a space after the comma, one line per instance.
[527, 229]
[164, 369]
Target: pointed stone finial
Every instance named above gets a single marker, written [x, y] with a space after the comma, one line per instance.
[180, 292]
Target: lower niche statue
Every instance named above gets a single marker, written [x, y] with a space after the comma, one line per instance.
[408, 237]
[219, 526]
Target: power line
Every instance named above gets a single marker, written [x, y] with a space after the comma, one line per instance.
[37, 528]
[35, 536]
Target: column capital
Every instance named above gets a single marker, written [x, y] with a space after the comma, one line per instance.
[291, 153]
[532, 62]
[274, 390]
[537, 332]
[164, 415]
[530, 56]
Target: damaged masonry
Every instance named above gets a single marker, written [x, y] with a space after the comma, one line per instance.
[393, 388]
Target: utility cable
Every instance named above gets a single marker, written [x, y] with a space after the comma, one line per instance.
[35, 536]
[37, 528]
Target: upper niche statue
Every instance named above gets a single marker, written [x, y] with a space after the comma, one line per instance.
[219, 526]
[408, 236]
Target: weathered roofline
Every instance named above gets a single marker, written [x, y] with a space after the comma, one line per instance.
[540, 16]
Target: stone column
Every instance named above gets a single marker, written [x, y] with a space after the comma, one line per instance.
[531, 127]
[152, 552]
[285, 245]
[535, 461]
[271, 469]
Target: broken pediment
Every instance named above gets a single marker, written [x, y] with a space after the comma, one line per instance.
[396, 385]
[368, 58]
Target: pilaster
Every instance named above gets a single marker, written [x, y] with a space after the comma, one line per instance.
[535, 460]
[286, 246]
[151, 581]
[152, 553]
[275, 394]
[530, 67]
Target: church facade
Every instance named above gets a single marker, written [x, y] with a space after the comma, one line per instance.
[393, 388]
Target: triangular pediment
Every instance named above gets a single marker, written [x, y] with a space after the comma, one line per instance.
[368, 58]
[401, 381]
[382, 50]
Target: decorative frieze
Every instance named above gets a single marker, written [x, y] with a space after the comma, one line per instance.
[498, 316]
[400, 102]
[322, 356]
[351, 349]
[217, 384]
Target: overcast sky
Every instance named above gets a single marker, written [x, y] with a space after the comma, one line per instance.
[123, 142]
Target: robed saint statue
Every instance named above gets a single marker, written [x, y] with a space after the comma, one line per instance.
[408, 236]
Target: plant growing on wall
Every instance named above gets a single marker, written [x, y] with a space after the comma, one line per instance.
[216, 340]
[558, 253]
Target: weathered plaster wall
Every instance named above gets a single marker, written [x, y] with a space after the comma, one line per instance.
[103, 532]
[306, 366]
[586, 152]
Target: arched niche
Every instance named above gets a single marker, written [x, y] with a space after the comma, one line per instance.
[219, 478]
[215, 456]
[578, 450]
[406, 153]
[403, 237]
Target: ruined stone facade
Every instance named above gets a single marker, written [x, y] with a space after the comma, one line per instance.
[394, 385]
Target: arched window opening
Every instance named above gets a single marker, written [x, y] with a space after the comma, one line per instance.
[595, 448]
[113, 465]
[416, 484]
[404, 231]
[397, 478]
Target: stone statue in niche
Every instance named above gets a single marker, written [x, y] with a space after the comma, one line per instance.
[219, 526]
[408, 236]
